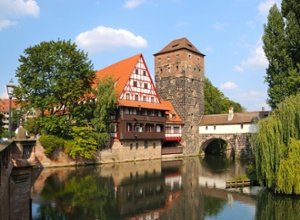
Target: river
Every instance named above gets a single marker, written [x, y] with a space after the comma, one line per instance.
[187, 189]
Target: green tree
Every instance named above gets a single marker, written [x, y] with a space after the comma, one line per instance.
[53, 76]
[281, 45]
[215, 102]
[277, 148]
[105, 110]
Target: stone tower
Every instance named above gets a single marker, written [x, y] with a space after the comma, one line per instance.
[179, 76]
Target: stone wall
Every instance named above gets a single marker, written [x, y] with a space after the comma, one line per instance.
[131, 151]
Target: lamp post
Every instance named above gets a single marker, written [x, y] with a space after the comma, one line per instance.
[10, 91]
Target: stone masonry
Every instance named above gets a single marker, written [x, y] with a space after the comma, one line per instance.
[179, 77]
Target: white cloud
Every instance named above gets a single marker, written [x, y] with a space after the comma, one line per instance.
[220, 26]
[255, 61]
[228, 85]
[103, 38]
[238, 69]
[208, 50]
[265, 6]
[19, 8]
[133, 3]
[11, 10]
[6, 24]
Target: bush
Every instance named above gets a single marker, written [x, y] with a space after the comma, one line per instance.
[51, 143]
[82, 144]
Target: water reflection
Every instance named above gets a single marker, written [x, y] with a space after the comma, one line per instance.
[183, 189]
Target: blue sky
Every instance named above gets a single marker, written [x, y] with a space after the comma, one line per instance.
[228, 32]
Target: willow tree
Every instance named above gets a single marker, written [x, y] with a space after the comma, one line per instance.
[277, 148]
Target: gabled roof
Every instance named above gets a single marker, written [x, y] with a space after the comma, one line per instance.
[178, 44]
[238, 118]
[174, 117]
[120, 72]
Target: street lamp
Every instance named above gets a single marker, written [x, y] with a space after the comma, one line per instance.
[10, 91]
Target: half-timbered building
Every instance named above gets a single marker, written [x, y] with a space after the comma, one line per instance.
[141, 116]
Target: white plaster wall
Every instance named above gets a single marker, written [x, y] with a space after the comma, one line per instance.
[228, 129]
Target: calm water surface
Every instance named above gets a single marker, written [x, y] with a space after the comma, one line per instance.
[184, 189]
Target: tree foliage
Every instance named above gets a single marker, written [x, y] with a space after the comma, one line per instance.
[215, 102]
[53, 76]
[277, 148]
[82, 143]
[105, 108]
[281, 45]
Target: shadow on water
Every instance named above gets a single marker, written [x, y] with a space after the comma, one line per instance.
[146, 190]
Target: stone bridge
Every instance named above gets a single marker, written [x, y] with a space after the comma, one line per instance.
[237, 144]
[233, 128]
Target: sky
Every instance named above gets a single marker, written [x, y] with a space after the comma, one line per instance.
[228, 32]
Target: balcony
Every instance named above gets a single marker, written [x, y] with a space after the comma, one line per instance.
[173, 137]
[143, 118]
[133, 135]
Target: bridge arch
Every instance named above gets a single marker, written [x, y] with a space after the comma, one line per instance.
[226, 144]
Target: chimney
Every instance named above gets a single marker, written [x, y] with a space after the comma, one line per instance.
[230, 114]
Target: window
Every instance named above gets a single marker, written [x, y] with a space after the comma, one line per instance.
[136, 97]
[168, 130]
[144, 99]
[215, 127]
[242, 126]
[144, 72]
[129, 127]
[206, 127]
[131, 146]
[134, 83]
[176, 129]
[127, 96]
[136, 71]
[127, 111]
[145, 85]
[152, 99]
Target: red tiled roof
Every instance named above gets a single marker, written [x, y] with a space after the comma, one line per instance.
[238, 118]
[174, 117]
[181, 43]
[120, 72]
[4, 105]
[140, 104]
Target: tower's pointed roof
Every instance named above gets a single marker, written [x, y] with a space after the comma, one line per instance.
[178, 44]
